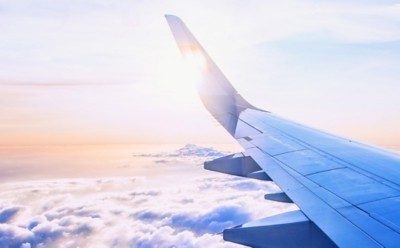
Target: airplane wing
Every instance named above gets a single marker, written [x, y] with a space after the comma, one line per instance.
[348, 193]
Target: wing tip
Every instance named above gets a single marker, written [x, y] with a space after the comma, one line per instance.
[170, 17]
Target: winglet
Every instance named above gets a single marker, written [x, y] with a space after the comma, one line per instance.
[217, 93]
[192, 50]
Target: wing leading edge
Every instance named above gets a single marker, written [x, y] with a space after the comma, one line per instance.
[347, 192]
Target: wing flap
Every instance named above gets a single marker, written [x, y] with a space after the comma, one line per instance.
[274, 232]
[237, 165]
[279, 197]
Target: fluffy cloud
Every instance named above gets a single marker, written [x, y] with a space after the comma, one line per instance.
[7, 213]
[167, 210]
[188, 152]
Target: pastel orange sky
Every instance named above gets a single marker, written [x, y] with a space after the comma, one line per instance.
[76, 72]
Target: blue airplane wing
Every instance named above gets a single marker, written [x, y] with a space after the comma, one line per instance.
[348, 193]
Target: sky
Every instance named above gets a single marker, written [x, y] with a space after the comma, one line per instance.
[109, 72]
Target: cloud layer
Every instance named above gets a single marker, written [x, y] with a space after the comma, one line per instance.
[157, 211]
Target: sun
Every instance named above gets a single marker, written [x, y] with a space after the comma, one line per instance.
[193, 58]
[178, 75]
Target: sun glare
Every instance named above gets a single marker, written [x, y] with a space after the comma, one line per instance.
[194, 58]
[178, 76]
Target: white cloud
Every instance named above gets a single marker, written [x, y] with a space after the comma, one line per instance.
[7, 213]
[131, 212]
[188, 150]
[188, 153]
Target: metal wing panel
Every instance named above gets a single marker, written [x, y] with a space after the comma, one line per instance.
[385, 210]
[276, 144]
[383, 233]
[307, 162]
[353, 186]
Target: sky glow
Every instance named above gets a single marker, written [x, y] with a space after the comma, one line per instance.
[107, 72]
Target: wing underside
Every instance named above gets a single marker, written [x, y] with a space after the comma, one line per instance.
[348, 193]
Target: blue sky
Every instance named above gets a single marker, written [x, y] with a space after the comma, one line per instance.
[89, 72]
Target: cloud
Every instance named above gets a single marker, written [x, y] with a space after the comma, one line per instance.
[188, 152]
[161, 161]
[214, 221]
[157, 211]
[13, 236]
[59, 84]
[7, 213]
